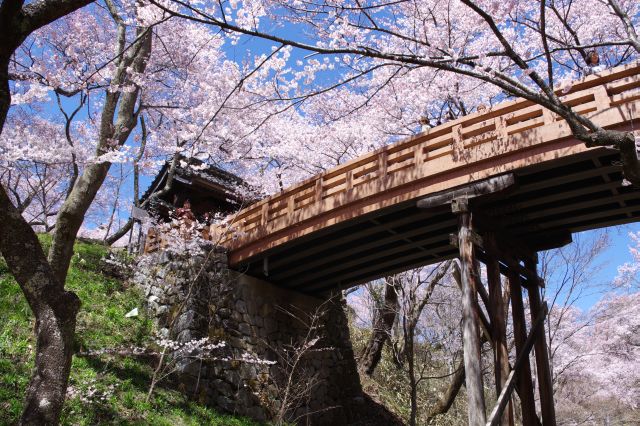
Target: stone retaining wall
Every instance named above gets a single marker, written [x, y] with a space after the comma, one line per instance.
[196, 296]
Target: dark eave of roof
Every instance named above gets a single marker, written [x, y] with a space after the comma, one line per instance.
[219, 181]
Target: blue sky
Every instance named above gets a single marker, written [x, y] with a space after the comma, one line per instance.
[616, 254]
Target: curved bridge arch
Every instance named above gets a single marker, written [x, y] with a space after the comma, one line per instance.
[360, 221]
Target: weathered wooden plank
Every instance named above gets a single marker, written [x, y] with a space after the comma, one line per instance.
[625, 97]
[571, 219]
[567, 207]
[341, 238]
[476, 189]
[378, 270]
[322, 261]
[522, 126]
[373, 265]
[316, 273]
[563, 194]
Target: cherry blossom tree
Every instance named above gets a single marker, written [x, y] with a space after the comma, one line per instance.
[525, 49]
[425, 336]
[106, 66]
[374, 72]
[54, 308]
[627, 277]
[36, 189]
[596, 370]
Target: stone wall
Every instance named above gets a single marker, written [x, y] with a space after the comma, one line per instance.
[197, 296]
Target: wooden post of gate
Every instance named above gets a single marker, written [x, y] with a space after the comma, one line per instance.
[497, 314]
[470, 332]
[525, 384]
[542, 355]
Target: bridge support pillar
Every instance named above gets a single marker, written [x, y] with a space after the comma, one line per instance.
[470, 315]
[504, 255]
[483, 239]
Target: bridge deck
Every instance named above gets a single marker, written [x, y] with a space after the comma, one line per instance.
[359, 221]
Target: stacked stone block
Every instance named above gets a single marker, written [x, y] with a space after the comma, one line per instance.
[196, 296]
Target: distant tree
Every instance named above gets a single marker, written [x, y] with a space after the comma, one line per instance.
[386, 309]
[596, 366]
[413, 292]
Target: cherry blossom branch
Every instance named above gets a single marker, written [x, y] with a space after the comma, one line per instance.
[628, 25]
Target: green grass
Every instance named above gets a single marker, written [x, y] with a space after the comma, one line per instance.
[105, 389]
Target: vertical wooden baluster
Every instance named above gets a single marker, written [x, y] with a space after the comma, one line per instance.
[602, 98]
[501, 127]
[458, 143]
[548, 116]
[318, 190]
[382, 169]
[382, 163]
[264, 213]
[348, 184]
[291, 205]
[418, 156]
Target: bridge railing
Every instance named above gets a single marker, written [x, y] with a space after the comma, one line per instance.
[472, 138]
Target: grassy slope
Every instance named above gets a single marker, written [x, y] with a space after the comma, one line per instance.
[103, 390]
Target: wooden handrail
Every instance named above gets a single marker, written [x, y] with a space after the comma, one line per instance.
[467, 139]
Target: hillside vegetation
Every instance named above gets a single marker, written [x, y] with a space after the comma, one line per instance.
[102, 389]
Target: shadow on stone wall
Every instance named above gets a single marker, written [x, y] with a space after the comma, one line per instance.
[314, 379]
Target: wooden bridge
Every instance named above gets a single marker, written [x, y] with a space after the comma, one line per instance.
[361, 221]
[494, 187]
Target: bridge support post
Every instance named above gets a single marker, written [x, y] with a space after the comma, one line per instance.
[470, 315]
[543, 368]
[484, 238]
[498, 310]
[525, 383]
[507, 254]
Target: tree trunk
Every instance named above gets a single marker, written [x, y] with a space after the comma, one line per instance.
[55, 313]
[413, 383]
[122, 107]
[385, 316]
[449, 395]
[54, 308]
[5, 94]
[119, 233]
